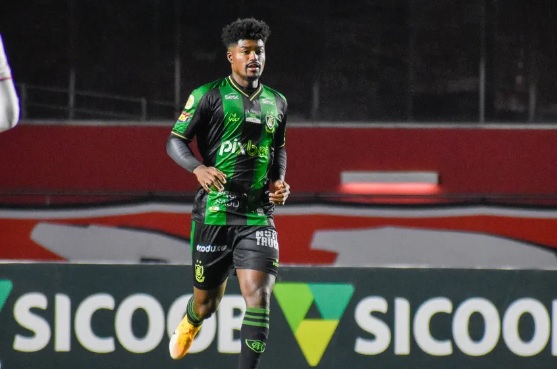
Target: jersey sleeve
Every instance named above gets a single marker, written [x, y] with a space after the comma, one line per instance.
[280, 135]
[192, 115]
[278, 167]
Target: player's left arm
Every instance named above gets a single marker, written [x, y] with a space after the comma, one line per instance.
[281, 189]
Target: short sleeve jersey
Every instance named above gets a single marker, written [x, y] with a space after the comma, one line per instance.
[237, 133]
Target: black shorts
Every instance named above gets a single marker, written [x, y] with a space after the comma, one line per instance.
[216, 250]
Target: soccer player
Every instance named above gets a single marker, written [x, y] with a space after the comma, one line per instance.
[239, 125]
[9, 102]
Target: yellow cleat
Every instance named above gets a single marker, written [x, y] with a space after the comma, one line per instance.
[182, 338]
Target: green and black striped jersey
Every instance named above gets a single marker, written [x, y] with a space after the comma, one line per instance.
[237, 133]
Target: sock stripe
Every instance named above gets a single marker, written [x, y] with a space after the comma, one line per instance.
[256, 324]
[191, 314]
[257, 317]
[256, 321]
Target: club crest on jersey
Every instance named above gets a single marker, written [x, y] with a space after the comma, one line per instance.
[270, 123]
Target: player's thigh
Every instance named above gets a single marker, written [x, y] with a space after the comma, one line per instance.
[257, 248]
[206, 302]
[256, 287]
[211, 256]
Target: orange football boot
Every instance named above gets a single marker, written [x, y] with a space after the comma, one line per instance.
[181, 340]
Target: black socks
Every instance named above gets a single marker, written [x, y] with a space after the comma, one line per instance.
[254, 332]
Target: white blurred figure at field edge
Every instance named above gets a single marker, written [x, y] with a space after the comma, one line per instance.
[9, 102]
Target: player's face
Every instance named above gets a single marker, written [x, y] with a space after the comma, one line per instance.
[247, 59]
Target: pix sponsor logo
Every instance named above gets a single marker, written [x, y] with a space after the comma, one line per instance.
[239, 148]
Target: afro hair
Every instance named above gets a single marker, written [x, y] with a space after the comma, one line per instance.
[245, 29]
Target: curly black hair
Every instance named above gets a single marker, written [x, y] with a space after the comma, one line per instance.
[245, 29]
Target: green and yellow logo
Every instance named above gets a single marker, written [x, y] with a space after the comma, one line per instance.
[313, 335]
[256, 345]
[5, 290]
[199, 272]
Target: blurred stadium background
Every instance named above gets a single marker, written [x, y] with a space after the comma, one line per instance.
[421, 157]
[401, 60]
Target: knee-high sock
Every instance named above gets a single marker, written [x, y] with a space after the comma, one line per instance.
[254, 333]
[192, 318]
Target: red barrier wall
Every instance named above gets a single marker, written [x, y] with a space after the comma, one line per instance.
[133, 158]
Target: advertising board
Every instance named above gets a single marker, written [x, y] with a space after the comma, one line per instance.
[58, 316]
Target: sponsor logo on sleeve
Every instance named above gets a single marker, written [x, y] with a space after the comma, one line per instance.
[184, 117]
[190, 102]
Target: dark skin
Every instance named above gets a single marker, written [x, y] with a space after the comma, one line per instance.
[247, 60]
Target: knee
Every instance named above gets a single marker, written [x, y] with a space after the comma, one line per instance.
[258, 297]
[205, 308]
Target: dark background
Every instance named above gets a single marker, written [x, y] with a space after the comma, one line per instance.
[366, 60]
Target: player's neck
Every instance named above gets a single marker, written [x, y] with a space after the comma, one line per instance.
[245, 85]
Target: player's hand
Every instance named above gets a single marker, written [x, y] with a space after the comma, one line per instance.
[281, 191]
[210, 178]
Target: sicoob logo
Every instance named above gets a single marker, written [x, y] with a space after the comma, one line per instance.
[313, 335]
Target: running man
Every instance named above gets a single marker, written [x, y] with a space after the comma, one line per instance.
[239, 125]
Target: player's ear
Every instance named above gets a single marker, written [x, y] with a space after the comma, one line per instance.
[229, 56]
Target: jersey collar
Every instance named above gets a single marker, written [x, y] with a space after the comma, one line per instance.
[253, 95]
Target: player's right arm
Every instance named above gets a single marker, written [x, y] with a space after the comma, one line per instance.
[179, 150]
[178, 144]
